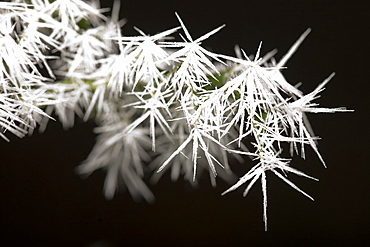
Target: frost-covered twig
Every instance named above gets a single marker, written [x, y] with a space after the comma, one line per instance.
[160, 104]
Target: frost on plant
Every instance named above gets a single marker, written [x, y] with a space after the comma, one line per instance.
[162, 102]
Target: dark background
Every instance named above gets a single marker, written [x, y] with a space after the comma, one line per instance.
[44, 203]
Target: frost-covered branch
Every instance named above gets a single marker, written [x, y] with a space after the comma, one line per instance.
[160, 104]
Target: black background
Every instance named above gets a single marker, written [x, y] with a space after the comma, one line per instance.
[44, 203]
